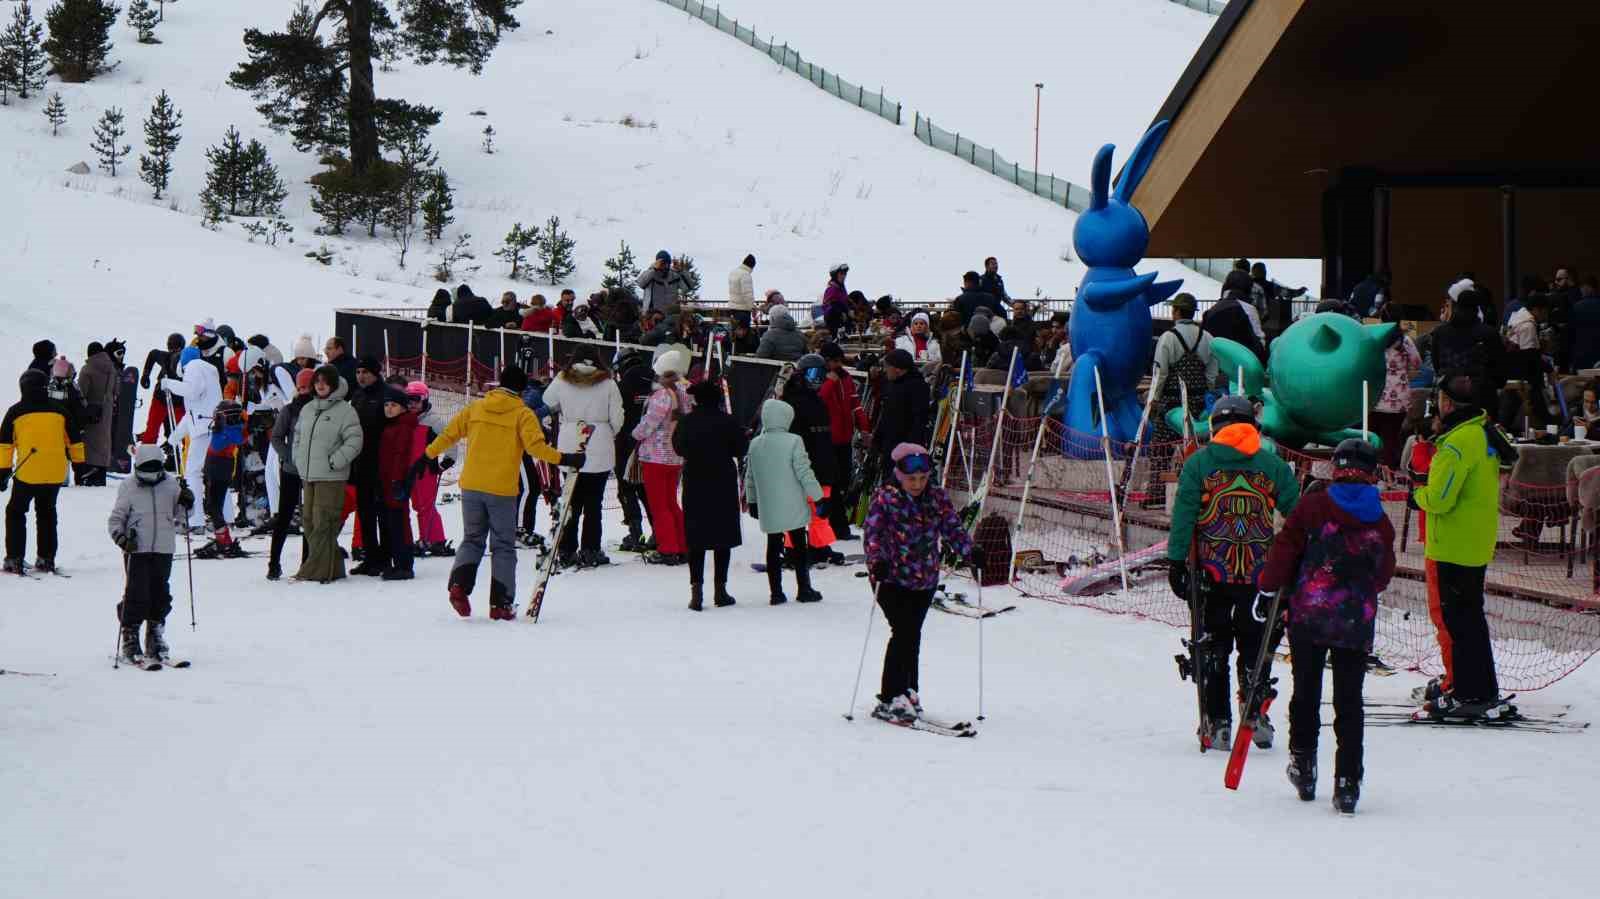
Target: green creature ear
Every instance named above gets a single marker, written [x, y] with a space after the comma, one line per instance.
[1379, 333]
[1326, 341]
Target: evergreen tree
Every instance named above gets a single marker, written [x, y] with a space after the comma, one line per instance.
[143, 19]
[264, 191]
[161, 139]
[80, 38]
[621, 271]
[224, 192]
[56, 112]
[413, 172]
[22, 57]
[315, 77]
[553, 252]
[488, 139]
[515, 249]
[452, 258]
[107, 132]
[436, 206]
[685, 267]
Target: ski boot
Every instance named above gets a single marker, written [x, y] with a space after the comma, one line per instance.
[1222, 735]
[14, 566]
[128, 650]
[443, 549]
[368, 569]
[1264, 729]
[633, 543]
[778, 598]
[45, 566]
[1302, 772]
[1346, 793]
[274, 571]
[566, 560]
[721, 598]
[460, 601]
[155, 641]
[808, 594]
[915, 700]
[1433, 689]
[398, 574]
[1448, 706]
[212, 550]
[592, 558]
[696, 597]
[503, 612]
[897, 711]
[232, 550]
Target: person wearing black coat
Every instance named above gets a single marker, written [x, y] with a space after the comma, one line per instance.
[44, 353]
[636, 382]
[1012, 339]
[367, 400]
[470, 308]
[811, 420]
[972, 296]
[1228, 317]
[711, 443]
[439, 309]
[904, 415]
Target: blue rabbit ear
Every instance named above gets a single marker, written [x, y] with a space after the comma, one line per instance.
[1100, 178]
[1139, 163]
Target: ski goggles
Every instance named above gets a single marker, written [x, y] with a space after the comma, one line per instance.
[918, 463]
[815, 376]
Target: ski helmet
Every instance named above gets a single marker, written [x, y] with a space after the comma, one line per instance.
[1232, 409]
[417, 390]
[1355, 455]
[32, 381]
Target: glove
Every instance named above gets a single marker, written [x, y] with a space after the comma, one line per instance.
[185, 496]
[753, 513]
[401, 492]
[881, 571]
[822, 507]
[1178, 580]
[418, 467]
[145, 382]
[5, 478]
[574, 460]
[445, 463]
[976, 559]
[127, 542]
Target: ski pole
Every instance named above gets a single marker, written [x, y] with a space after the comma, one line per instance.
[188, 540]
[977, 577]
[872, 611]
[116, 647]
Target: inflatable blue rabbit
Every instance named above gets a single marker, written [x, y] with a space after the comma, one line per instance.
[1110, 329]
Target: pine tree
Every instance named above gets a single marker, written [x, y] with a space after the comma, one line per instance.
[107, 132]
[515, 250]
[488, 139]
[436, 206]
[80, 38]
[22, 57]
[621, 271]
[161, 138]
[143, 19]
[413, 172]
[553, 252]
[224, 192]
[56, 112]
[685, 267]
[264, 191]
[315, 77]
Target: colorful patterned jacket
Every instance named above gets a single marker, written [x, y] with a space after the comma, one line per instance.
[905, 531]
[1227, 495]
[1335, 554]
[654, 430]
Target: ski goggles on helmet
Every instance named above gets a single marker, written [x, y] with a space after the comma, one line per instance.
[815, 376]
[917, 463]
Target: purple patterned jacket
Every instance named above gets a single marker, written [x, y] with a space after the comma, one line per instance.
[904, 531]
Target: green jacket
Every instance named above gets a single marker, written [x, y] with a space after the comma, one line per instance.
[778, 478]
[327, 438]
[1226, 500]
[1462, 496]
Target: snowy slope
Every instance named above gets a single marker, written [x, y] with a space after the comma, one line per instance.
[361, 740]
[741, 158]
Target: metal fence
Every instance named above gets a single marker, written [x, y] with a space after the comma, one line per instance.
[790, 58]
[1056, 190]
[1209, 7]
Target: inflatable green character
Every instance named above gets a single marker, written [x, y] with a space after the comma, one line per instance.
[1316, 369]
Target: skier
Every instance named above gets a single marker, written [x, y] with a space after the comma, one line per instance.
[1335, 555]
[498, 429]
[659, 464]
[533, 481]
[221, 458]
[38, 438]
[327, 440]
[1227, 495]
[777, 482]
[425, 489]
[585, 394]
[200, 388]
[288, 477]
[711, 444]
[635, 382]
[396, 460]
[144, 522]
[165, 363]
[906, 523]
[366, 397]
[1462, 502]
[845, 418]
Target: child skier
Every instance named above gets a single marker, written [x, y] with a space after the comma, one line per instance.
[1227, 494]
[1336, 555]
[777, 482]
[425, 489]
[395, 461]
[144, 523]
[222, 450]
[905, 523]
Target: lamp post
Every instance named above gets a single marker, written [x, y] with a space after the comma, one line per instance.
[1038, 94]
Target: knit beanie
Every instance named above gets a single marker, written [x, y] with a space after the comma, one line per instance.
[671, 362]
[303, 348]
[302, 381]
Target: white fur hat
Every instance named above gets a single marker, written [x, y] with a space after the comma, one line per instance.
[1459, 288]
[673, 362]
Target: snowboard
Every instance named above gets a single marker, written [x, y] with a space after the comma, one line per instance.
[122, 420]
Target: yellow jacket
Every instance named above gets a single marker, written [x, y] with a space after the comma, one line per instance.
[498, 430]
[37, 439]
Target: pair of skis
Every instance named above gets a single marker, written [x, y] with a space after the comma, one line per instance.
[548, 565]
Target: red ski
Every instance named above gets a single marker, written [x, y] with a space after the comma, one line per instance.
[1259, 693]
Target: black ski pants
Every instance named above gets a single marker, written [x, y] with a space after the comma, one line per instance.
[586, 497]
[722, 557]
[531, 485]
[288, 503]
[1305, 706]
[1472, 655]
[218, 477]
[1229, 626]
[369, 511]
[43, 499]
[629, 494]
[394, 535]
[906, 609]
[844, 468]
[801, 553]
[146, 595]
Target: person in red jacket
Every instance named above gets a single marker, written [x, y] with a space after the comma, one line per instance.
[845, 417]
[396, 455]
[540, 317]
